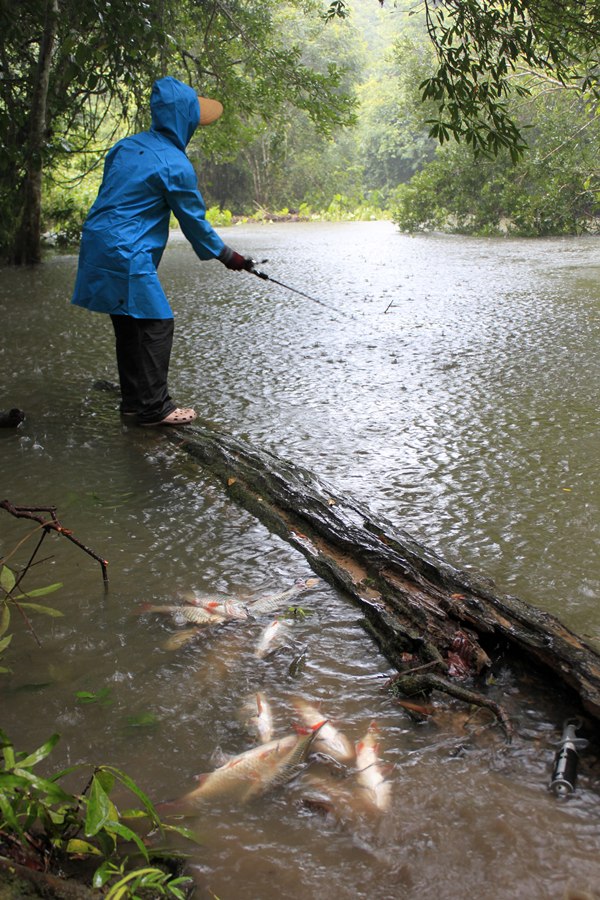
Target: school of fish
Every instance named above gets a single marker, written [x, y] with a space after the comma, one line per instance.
[362, 788]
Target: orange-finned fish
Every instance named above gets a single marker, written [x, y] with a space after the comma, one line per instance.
[370, 771]
[248, 775]
[193, 614]
[272, 637]
[330, 741]
[259, 717]
[222, 606]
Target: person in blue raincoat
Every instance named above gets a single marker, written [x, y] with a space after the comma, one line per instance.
[146, 177]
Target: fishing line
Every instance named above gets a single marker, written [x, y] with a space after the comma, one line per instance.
[288, 287]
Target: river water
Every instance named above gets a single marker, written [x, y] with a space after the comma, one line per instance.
[451, 385]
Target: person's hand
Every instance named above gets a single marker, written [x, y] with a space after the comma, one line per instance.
[235, 261]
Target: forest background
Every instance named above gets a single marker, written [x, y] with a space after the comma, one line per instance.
[462, 115]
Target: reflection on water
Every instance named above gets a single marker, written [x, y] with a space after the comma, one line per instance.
[456, 394]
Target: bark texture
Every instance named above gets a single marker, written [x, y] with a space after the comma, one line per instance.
[27, 247]
[416, 606]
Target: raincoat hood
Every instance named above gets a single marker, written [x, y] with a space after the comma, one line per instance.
[147, 178]
[175, 110]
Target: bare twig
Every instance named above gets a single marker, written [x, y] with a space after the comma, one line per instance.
[51, 524]
[423, 684]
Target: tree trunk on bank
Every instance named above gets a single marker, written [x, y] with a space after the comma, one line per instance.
[27, 246]
[422, 612]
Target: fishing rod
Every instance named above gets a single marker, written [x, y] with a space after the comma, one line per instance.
[288, 287]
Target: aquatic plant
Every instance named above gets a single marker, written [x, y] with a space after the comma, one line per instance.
[51, 828]
[44, 827]
[10, 600]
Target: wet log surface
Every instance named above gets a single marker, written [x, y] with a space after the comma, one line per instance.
[427, 617]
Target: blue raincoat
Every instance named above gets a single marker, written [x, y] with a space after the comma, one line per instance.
[146, 177]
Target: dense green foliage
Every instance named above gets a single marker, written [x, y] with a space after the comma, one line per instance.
[46, 827]
[327, 108]
[552, 189]
[74, 73]
[488, 51]
[55, 826]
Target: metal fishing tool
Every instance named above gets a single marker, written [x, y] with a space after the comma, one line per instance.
[564, 774]
[288, 287]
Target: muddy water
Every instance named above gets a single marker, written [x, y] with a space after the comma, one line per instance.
[453, 388]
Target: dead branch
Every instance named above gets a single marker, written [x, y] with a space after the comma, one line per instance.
[51, 524]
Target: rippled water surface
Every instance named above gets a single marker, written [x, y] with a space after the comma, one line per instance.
[451, 385]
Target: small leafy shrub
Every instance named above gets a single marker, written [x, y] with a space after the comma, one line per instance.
[58, 826]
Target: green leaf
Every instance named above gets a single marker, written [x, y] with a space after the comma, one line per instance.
[45, 610]
[104, 873]
[129, 783]
[40, 592]
[50, 789]
[5, 642]
[98, 810]
[41, 753]
[8, 751]
[78, 847]
[127, 834]
[4, 618]
[102, 696]
[7, 579]
[8, 815]
[143, 720]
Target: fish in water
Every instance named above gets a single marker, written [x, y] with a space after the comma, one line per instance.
[180, 639]
[330, 741]
[334, 798]
[229, 609]
[370, 771]
[271, 603]
[259, 717]
[271, 638]
[248, 775]
[196, 615]
[221, 606]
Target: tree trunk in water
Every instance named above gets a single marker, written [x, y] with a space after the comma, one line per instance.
[27, 246]
[422, 612]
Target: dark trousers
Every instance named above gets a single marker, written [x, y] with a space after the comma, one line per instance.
[143, 354]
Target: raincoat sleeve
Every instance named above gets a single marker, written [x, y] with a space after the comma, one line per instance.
[189, 209]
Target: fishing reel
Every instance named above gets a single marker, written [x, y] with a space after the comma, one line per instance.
[564, 773]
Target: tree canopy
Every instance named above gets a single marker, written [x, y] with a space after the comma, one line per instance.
[291, 74]
[488, 50]
[68, 68]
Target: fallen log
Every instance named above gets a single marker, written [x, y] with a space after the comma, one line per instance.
[423, 613]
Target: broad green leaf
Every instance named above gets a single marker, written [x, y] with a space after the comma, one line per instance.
[8, 751]
[129, 783]
[4, 618]
[5, 642]
[7, 579]
[104, 873]
[45, 610]
[82, 848]
[41, 753]
[8, 815]
[184, 832]
[105, 778]
[127, 834]
[52, 791]
[98, 808]
[40, 592]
